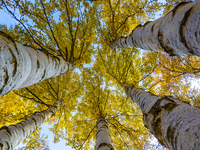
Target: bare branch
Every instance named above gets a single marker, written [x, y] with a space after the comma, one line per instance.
[52, 88]
[38, 98]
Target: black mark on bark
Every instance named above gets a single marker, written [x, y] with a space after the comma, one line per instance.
[156, 111]
[152, 29]
[6, 77]
[105, 144]
[126, 41]
[146, 23]
[35, 121]
[38, 64]
[9, 38]
[170, 136]
[181, 32]
[14, 60]
[165, 47]
[8, 145]
[1, 145]
[43, 74]
[6, 128]
[177, 7]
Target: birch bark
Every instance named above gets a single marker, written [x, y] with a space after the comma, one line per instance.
[174, 123]
[176, 33]
[11, 136]
[22, 66]
[103, 141]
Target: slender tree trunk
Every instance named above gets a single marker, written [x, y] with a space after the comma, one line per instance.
[11, 136]
[174, 123]
[103, 141]
[22, 66]
[176, 33]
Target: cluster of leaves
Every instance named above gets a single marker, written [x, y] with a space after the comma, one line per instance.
[15, 109]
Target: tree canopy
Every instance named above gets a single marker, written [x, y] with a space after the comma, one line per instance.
[80, 32]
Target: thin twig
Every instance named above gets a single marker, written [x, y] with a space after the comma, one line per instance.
[38, 98]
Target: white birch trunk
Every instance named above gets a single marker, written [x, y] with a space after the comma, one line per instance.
[22, 66]
[103, 141]
[174, 123]
[11, 136]
[176, 33]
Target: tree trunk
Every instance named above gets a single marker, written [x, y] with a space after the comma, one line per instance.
[174, 123]
[176, 33]
[11, 136]
[103, 141]
[22, 66]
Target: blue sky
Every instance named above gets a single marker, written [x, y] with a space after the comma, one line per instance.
[5, 18]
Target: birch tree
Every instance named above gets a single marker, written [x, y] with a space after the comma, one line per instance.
[173, 122]
[176, 33]
[11, 136]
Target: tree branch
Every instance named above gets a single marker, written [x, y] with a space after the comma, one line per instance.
[38, 98]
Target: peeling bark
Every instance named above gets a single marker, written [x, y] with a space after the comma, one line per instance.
[176, 33]
[22, 66]
[11, 136]
[174, 123]
[103, 141]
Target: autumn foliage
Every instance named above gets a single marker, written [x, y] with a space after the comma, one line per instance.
[80, 32]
